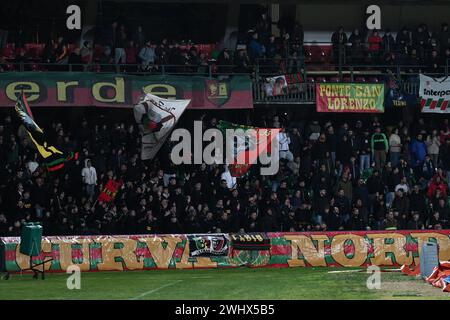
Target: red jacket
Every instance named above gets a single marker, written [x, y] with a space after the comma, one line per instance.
[434, 186]
[374, 43]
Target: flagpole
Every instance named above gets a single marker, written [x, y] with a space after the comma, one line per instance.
[95, 203]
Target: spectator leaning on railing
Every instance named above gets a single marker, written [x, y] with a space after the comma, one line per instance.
[375, 43]
[147, 56]
[339, 40]
[119, 46]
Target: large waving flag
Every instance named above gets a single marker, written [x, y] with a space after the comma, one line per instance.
[54, 159]
[157, 117]
[24, 112]
[249, 149]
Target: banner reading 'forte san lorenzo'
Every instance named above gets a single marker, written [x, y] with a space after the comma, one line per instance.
[350, 97]
[67, 89]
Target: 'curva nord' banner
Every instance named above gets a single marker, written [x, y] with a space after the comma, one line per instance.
[340, 249]
[54, 89]
[350, 97]
[434, 94]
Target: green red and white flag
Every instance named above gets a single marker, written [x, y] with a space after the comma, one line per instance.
[249, 149]
[434, 94]
[156, 118]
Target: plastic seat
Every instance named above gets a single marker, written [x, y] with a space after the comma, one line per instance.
[8, 52]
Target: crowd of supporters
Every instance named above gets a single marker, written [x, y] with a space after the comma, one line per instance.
[417, 47]
[333, 176]
[284, 53]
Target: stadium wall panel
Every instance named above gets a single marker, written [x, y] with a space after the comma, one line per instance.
[138, 252]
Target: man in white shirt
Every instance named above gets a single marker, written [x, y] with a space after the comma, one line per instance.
[89, 176]
[402, 185]
[284, 141]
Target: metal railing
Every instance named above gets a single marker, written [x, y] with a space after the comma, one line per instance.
[268, 67]
[300, 93]
[153, 69]
[305, 93]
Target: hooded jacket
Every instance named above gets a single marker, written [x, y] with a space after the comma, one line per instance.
[89, 174]
[418, 151]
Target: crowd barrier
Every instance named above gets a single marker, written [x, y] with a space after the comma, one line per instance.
[313, 249]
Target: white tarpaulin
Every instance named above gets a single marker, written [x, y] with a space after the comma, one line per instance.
[156, 118]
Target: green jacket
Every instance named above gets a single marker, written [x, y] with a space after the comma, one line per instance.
[379, 142]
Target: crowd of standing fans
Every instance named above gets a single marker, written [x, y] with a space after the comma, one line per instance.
[416, 47]
[333, 176]
[285, 53]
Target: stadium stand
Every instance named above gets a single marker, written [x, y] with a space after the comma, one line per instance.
[328, 185]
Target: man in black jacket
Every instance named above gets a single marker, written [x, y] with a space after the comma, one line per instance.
[269, 221]
[339, 39]
[417, 201]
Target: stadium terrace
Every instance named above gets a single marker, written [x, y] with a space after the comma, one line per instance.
[289, 158]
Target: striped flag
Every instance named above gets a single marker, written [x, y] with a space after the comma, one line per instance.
[54, 159]
[434, 94]
[251, 148]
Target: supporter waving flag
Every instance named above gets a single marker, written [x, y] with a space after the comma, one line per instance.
[54, 159]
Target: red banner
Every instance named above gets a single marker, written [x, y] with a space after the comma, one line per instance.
[110, 190]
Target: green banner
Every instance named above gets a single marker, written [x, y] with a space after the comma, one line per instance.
[86, 89]
[350, 97]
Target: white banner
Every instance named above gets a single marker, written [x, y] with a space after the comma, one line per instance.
[434, 94]
[276, 86]
[156, 118]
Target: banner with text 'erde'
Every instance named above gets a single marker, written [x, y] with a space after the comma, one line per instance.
[350, 97]
[89, 89]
